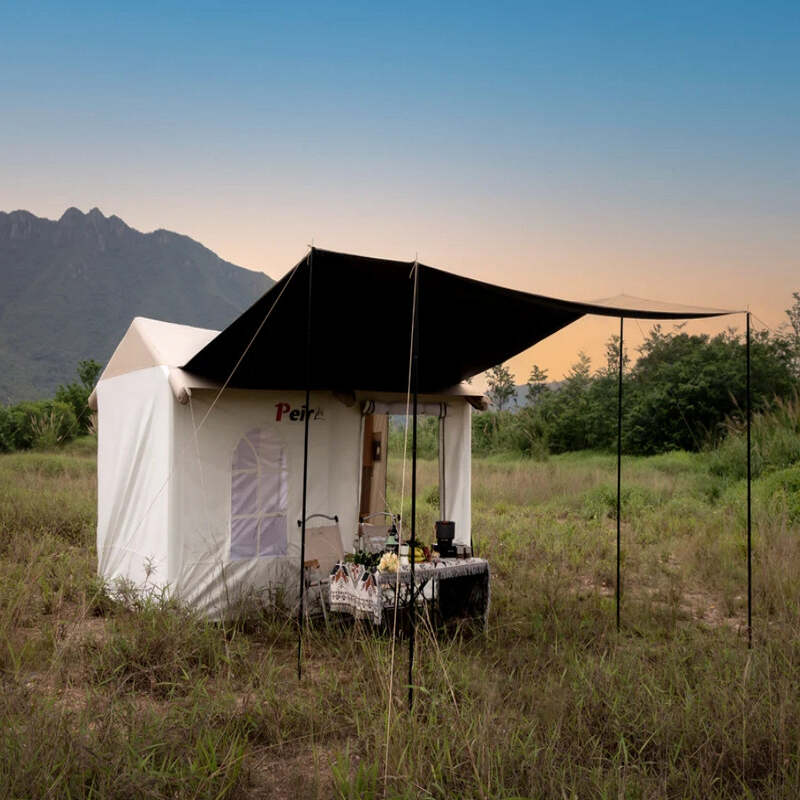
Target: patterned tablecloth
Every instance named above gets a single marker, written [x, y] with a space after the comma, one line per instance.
[454, 582]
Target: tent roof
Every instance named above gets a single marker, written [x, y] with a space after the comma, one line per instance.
[154, 343]
[361, 311]
[625, 305]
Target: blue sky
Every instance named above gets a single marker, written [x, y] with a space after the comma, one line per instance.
[575, 149]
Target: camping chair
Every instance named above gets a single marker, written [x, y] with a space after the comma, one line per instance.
[372, 537]
[323, 551]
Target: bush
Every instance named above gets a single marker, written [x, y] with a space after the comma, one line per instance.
[781, 492]
[523, 433]
[76, 394]
[484, 425]
[683, 388]
[775, 441]
[48, 423]
[427, 436]
[44, 424]
[6, 430]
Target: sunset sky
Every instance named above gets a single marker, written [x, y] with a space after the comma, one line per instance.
[572, 149]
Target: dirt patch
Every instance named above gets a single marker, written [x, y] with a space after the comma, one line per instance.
[588, 585]
[695, 604]
[80, 628]
[291, 771]
[704, 607]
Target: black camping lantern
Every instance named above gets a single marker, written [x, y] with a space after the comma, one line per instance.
[445, 533]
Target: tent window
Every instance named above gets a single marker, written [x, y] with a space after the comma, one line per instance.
[259, 491]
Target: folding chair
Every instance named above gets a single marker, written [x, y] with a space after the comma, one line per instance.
[323, 551]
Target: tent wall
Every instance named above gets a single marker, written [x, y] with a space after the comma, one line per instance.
[458, 472]
[134, 447]
[167, 492]
[202, 571]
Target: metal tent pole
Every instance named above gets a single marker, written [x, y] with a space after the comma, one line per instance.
[749, 514]
[442, 469]
[619, 467]
[306, 420]
[413, 543]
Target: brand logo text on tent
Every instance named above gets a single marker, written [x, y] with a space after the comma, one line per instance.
[284, 410]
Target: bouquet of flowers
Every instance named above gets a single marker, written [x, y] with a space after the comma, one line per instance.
[388, 563]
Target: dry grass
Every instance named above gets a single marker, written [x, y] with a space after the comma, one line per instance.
[102, 701]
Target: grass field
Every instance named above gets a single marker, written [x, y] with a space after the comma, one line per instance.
[98, 700]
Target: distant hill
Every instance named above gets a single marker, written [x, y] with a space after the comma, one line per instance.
[69, 289]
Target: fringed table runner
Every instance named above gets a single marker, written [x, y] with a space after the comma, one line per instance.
[458, 584]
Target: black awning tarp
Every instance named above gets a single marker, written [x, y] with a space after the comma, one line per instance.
[361, 310]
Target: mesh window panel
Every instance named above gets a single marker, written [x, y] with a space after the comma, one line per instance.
[259, 496]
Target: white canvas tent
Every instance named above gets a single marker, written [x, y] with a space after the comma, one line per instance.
[200, 491]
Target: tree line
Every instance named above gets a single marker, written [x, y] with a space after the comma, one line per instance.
[679, 394]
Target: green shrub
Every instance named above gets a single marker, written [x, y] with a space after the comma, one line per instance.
[601, 502]
[775, 442]
[427, 436]
[781, 492]
[524, 432]
[45, 424]
[6, 430]
[76, 394]
[431, 496]
[484, 425]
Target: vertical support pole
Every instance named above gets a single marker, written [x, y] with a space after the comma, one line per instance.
[749, 509]
[442, 469]
[619, 469]
[412, 611]
[301, 609]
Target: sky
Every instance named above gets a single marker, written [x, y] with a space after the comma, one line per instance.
[578, 150]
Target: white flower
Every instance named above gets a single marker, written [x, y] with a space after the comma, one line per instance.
[388, 563]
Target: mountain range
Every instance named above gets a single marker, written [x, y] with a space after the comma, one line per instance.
[69, 288]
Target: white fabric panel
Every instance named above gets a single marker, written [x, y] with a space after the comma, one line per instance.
[201, 567]
[133, 464]
[458, 463]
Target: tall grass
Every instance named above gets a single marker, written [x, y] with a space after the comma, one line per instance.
[99, 699]
[775, 438]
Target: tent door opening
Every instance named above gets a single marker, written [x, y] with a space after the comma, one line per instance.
[373, 469]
